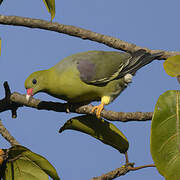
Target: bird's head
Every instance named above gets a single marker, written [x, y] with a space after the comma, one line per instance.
[35, 83]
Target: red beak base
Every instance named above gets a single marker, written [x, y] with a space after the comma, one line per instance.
[29, 93]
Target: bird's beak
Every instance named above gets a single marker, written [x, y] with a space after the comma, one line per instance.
[29, 93]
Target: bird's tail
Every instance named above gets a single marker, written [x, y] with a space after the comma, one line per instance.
[139, 59]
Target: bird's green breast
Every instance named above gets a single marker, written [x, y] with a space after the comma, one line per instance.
[65, 83]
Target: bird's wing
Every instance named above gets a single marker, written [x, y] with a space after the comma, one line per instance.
[100, 67]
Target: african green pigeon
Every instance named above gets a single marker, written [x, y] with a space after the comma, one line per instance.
[89, 76]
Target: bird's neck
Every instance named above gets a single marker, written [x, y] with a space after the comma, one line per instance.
[54, 84]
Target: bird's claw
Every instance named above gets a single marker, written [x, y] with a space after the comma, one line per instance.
[98, 110]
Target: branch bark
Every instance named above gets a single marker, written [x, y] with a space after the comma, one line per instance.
[15, 100]
[20, 100]
[80, 33]
[120, 171]
[6, 104]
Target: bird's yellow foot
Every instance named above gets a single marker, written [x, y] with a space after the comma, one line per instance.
[98, 109]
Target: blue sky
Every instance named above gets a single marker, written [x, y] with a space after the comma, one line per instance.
[76, 156]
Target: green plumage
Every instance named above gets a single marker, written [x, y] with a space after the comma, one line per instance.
[88, 76]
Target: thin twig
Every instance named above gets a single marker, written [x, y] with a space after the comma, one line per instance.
[115, 173]
[80, 33]
[121, 171]
[141, 167]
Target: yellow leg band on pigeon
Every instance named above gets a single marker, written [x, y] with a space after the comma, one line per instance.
[104, 101]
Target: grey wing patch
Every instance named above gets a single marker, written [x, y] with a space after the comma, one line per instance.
[86, 69]
[99, 67]
[108, 78]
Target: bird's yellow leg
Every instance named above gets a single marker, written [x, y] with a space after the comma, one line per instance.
[104, 101]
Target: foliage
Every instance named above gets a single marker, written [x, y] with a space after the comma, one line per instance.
[165, 135]
[25, 164]
[172, 66]
[50, 5]
[100, 129]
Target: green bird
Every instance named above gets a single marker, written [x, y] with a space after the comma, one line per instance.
[89, 76]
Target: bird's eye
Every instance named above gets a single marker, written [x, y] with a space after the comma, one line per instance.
[34, 81]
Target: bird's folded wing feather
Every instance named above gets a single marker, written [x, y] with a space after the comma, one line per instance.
[99, 67]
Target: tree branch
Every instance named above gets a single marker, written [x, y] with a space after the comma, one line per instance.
[79, 32]
[6, 104]
[15, 100]
[79, 108]
[6, 134]
[120, 171]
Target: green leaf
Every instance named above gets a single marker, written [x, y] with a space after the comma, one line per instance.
[8, 172]
[24, 164]
[50, 5]
[1, 2]
[172, 66]
[24, 168]
[165, 135]
[100, 129]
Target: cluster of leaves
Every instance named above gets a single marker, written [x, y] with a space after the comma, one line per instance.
[21, 163]
[165, 128]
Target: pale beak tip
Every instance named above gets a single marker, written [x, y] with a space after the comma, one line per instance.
[28, 97]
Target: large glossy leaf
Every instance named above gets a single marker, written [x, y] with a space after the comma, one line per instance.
[100, 129]
[165, 135]
[24, 164]
[172, 66]
[50, 5]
